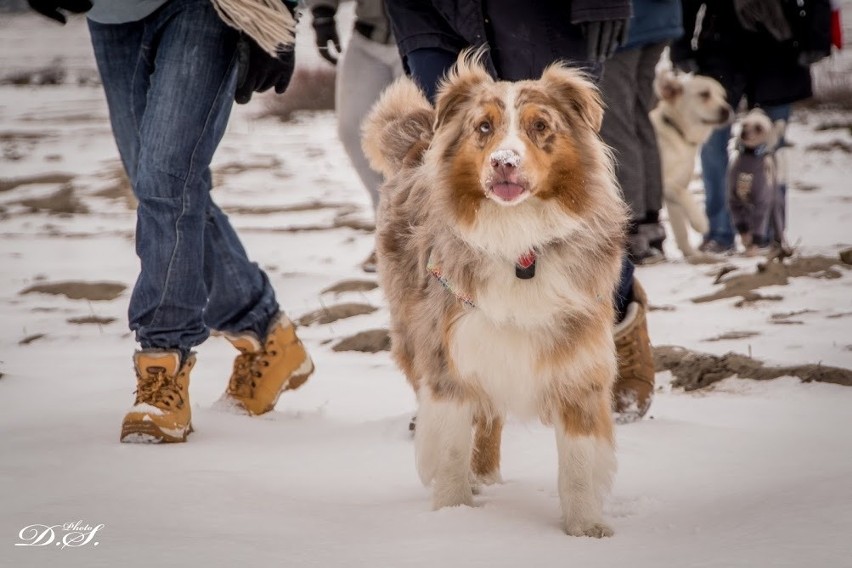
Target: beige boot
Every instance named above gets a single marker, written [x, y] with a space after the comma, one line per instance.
[262, 372]
[634, 387]
[161, 412]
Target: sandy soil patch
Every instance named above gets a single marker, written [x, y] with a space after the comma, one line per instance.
[331, 314]
[370, 341]
[693, 370]
[77, 290]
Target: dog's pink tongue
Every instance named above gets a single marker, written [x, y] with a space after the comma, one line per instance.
[507, 191]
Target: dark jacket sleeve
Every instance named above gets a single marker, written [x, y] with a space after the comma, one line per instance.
[599, 10]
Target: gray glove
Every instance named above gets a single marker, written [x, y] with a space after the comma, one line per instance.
[604, 37]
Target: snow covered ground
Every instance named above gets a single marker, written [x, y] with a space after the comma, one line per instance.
[746, 473]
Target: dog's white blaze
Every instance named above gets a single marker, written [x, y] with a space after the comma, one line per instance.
[586, 467]
[512, 142]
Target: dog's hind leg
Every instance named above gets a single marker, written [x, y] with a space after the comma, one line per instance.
[584, 441]
[486, 450]
[443, 444]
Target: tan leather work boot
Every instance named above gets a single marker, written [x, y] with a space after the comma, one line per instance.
[161, 412]
[634, 386]
[263, 371]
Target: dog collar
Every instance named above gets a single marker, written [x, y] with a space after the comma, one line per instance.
[525, 266]
[758, 151]
[673, 125]
[524, 269]
[435, 270]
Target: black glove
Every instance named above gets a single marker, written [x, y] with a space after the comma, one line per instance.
[808, 58]
[689, 65]
[325, 29]
[604, 37]
[259, 71]
[50, 8]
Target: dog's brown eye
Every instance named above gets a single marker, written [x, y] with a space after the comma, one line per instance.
[705, 95]
[484, 127]
[539, 125]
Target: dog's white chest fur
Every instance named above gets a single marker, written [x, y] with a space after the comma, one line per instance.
[499, 345]
[500, 359]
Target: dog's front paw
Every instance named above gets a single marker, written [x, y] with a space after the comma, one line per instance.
[452, 496]
[588, 528]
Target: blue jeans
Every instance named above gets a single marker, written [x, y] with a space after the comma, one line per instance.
[169, 81]
[714, 168]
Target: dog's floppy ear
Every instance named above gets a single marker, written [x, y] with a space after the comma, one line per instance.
[575, 92]
[398, 128]
[458, 86]
[667, 85]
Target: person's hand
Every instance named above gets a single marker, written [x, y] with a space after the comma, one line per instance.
[808, 58]
[325, 29]
[51, 8]
[604, 37]
[259, 71]
[688, 65]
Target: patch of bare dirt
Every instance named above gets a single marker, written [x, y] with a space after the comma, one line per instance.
[297, 208]
[96, 320]
[76, 290]
[693, 370]
[63, 201]
[119, 187]
[750, 298]
[370, 341]
[351, 286]
[773, 274]
[55, 178]
[829, 146]
[732, 335]
[840, 315]
[331, 314]
[30, 338]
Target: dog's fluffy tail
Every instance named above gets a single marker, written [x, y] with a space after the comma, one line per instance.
[398, 129]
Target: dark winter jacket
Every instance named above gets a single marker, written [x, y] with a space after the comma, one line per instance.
[522, 37]
[753, 63]
[654, 21]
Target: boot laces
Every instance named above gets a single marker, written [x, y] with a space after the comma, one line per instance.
[248, 369]
[158, 388]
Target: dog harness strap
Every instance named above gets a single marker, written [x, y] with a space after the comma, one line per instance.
[525, 266]
[435, 270]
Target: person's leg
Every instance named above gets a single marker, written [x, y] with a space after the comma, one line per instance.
[620, 95]
[714, 168]
[361, 77]
[776, 113]
[427, 67]
[124, 76]
[192, 60]
[646, 100]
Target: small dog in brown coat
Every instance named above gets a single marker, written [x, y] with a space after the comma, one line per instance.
[500, 237]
